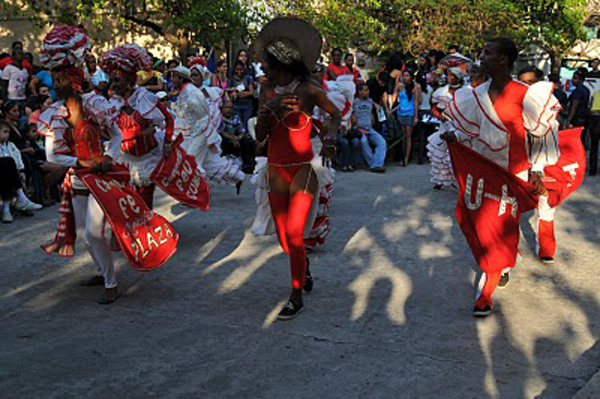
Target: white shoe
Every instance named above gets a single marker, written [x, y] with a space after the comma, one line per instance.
[27, 205]
[7, 217]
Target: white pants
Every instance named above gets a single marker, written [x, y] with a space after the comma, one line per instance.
[545, 238]
[89, 223]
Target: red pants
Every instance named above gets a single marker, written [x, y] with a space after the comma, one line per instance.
[546, 242]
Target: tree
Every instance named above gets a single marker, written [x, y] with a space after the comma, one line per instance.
[182, 23]
[554, 25]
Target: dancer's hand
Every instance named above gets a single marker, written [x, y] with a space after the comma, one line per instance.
[449, 137]
[103, 164]
[284, 103]
[167, 148]
[538, 185]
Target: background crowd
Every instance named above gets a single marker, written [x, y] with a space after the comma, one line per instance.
[393, 112]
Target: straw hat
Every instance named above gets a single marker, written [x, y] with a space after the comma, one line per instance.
[291, 39]
[182, 71]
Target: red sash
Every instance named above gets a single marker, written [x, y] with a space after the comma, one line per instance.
[489, 207]
[147, 239]
[179, 177]
[567, 174]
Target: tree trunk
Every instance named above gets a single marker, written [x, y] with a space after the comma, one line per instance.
[555, 61]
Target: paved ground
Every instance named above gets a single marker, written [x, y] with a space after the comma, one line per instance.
[390, 315]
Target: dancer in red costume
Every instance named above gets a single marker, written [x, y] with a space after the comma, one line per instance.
[290, 48]
[513, 125]
[74, 128]
[144, 121]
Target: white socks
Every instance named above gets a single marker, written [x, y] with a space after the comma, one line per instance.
[6, 207]
[21, 195]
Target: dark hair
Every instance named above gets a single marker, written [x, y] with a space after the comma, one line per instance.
[239, 63]
[337, 49]
[394, 62]
[237, 57]
[582, 73]
[220, 63]
[539, 75]
[4, 123]
[173, 61]
[15, 44]
[10, 104]
[40, 100]
[594, 60]
[296, 68]
[453, 47]
[422, 81]
[554, 78]
[43, 85]
[410, 87]
[360, 86]
[384, 76]
[507, 48]
[348, 55]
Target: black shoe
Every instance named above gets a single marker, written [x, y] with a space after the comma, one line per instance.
[378, 169]
[238, 187]
[92, 281]
[437, 187]
[482, 312]
[547, 260]
[308, 282]
[108, 296]
[290, 310]
[504, 279]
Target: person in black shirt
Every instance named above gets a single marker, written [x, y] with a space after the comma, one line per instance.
[578, 101]
[562, 98]
[595, 72]
[378, 86]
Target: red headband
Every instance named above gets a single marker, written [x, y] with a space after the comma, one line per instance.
[74, 75]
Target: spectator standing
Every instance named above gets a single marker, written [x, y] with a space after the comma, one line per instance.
[349, 62]
[14, 79]
[96, 78]
[562, 98]
[362, 119]
[219, 79]
[336, 68]
[578, 101]
[244, 58]
[530, 75]
[595, 65]
[242, 93]
[409, 97]
[9, 60]
[151, 79]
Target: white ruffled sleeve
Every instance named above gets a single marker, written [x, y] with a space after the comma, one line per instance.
[540, 109]
[53, 126]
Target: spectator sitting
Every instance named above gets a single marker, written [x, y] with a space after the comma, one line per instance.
[43, 102]
[12, 177]
[236, 140]
[32, 102]
[362, 119]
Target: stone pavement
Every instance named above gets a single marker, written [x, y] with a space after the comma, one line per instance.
[390, 315]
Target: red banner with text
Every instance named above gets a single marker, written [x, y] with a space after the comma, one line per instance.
[178, 176]
[147, 239]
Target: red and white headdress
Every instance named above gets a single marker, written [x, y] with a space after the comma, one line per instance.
[197, 61]
[64, 50]
[126, 59]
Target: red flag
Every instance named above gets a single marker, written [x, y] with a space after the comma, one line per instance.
[178, 176]
[147, 239]
[489, 207]
[567, 174]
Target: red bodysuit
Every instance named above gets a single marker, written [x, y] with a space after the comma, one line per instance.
[134, 142]
[85, 140]
[290, 149]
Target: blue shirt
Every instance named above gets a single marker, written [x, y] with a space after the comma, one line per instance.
[406, 107]
[45, 78]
